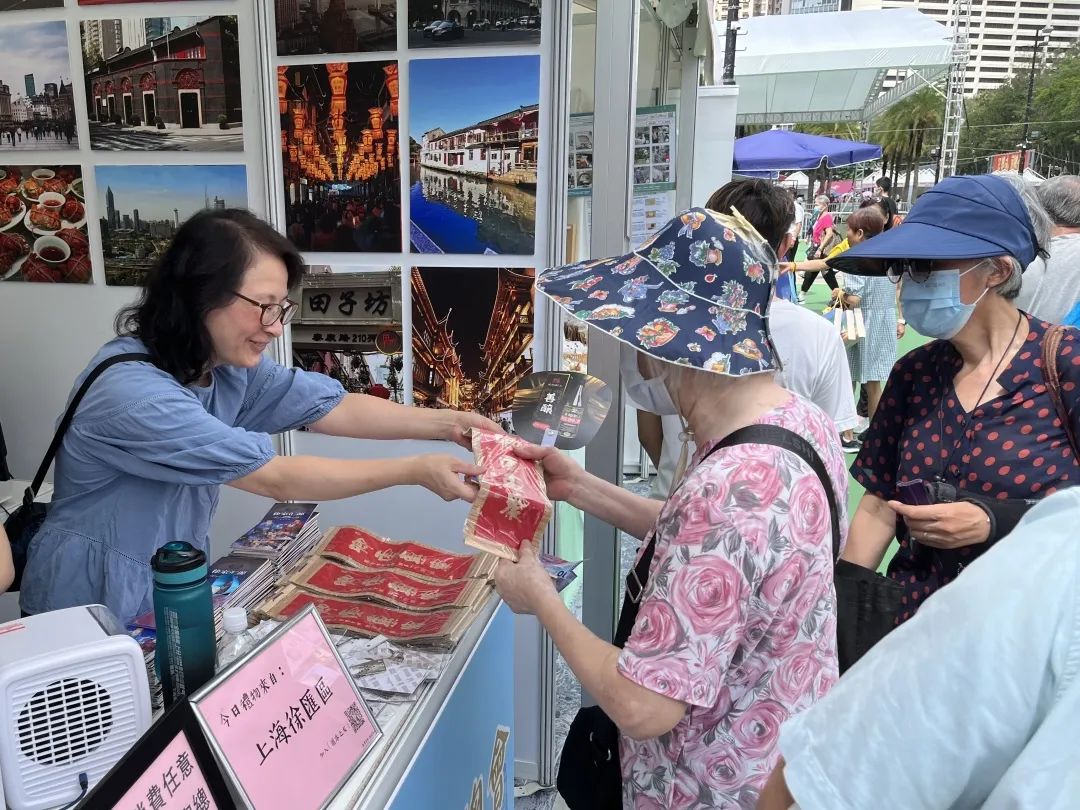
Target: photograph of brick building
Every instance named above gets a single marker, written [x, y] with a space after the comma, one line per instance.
[163, 83]
[463, 357]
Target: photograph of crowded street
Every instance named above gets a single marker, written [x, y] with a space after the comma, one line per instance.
[144, 207]
[438, 23]
[340, 156]
[163, 83]
[473, 159]
[335, 26]
[462, 361]
[37, 105]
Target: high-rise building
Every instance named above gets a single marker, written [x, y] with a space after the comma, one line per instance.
[110, 208]
[135, 219]
[50, 92]
[31, 88]
[133, 32]
[127, 222]
[1003, 32]
[107, 36]
[219, 204]
[155, 27]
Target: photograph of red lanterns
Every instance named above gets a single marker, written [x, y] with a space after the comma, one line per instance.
[340, 155]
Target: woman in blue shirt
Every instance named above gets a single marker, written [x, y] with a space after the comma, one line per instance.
[152, 442]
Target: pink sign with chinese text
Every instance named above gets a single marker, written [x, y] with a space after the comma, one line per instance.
[289, 721]
[173, 780]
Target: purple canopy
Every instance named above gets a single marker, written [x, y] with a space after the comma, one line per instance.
[784, 150]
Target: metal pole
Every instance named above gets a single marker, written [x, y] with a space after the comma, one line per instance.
[731, 36]
[1030, 97]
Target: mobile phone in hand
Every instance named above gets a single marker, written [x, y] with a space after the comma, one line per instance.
[915, 493]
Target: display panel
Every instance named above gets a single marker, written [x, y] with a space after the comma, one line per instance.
[43, 224]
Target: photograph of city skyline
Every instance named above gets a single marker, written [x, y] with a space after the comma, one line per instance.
[163, 83]
[144, 206]
[466, 362]
[37, 106]
[474, 155]
[335, 26]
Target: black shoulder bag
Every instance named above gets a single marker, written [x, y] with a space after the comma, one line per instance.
[22, 524]
[590, 775]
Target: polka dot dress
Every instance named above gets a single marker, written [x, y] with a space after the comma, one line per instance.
[1014, 446]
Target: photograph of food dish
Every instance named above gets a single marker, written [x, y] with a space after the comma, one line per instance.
[43, 225]
[163, 83]
[464, 362]
[37, 104]
[142, 207]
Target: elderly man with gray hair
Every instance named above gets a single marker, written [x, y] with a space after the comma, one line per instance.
[1052, 285]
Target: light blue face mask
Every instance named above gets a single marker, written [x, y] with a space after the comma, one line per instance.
[933, 307]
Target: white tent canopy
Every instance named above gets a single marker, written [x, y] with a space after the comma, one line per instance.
[797, 68]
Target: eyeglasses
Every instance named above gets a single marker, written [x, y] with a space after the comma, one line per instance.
[272, 313]
[918, 270]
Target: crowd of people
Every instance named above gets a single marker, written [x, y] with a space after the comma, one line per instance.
[722, 687]
[346, 225]
[42, 133]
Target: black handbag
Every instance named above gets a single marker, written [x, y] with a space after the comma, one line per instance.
[866, 607]
[22, 524]
[590, 774]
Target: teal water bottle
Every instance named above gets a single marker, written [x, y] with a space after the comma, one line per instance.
[184, 613]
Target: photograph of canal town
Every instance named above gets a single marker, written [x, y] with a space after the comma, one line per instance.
[473, 155]
[335, 26]
[37, 107]
[163, 84]
[436, 23]
[464, 362]
[340, 156]
[144, 206]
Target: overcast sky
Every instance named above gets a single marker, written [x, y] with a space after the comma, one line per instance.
[38, 48]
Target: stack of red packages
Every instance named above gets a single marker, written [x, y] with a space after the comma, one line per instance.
[512, 504]
[365, 584]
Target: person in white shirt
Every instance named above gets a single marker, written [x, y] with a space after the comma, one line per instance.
[814, 360]
[1052, 285]
[983, 698]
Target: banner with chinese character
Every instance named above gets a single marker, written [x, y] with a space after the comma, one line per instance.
[512, 504]
[287, 719]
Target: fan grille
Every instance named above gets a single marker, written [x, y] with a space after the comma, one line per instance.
[65, 720]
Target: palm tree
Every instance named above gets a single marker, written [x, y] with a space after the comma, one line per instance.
[905, 130]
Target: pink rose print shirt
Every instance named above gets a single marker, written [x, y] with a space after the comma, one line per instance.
[738, 618]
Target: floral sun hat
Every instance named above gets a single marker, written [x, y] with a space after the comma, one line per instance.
[696, 293]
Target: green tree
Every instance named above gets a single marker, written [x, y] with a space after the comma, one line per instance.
[995, 118]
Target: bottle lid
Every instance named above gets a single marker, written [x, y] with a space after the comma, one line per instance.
[178, 562]
[234, 620]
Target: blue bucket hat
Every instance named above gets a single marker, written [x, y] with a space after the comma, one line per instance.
[962, 217]
[696, 293]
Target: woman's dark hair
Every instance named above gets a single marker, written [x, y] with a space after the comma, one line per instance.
[869, 219]
[201, 269]
[769, 208]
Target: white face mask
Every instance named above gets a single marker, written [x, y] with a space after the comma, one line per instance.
[646, 395]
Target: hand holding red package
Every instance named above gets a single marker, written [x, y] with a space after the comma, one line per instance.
[512, 504]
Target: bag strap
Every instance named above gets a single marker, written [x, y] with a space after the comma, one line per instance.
[69, 416]
[1052, 376]
[751, 434]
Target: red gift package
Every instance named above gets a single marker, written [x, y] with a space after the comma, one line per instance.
[512, 504]
[362, 549]
[392, 587]
[368, 619]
